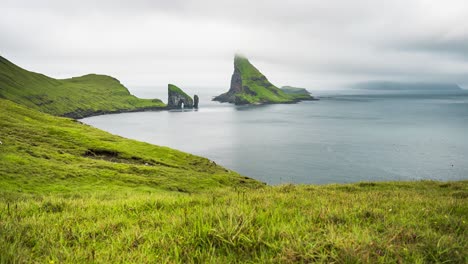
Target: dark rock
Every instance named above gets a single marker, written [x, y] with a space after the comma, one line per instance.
[236, 82]
[236, 88]
[195, 101]
[239, 100]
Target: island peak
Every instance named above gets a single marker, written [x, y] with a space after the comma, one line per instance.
[250, 86]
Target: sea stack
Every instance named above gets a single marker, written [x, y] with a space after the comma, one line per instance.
[178, 99]
[195, 101]
[250, 86]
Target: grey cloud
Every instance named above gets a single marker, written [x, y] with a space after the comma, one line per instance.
[457, 47]
[306, 42]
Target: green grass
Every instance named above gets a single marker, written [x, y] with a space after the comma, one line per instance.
[42, 153]
[407, 222]
[75, 97]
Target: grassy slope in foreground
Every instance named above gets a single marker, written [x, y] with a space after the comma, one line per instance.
[75, 97]
[70, 193]
[52, 154]
[250, 86]
[418, 222]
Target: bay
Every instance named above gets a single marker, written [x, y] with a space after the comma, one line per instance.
[341, 138]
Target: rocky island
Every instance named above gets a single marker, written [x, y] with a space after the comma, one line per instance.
[250, 86]
[178, 99]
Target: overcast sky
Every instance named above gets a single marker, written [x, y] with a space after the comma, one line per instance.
[314, 44]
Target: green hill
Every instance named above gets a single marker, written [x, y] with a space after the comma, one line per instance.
[250, 86]
[75, 97]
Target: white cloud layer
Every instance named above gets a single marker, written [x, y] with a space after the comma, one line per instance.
[306, 43]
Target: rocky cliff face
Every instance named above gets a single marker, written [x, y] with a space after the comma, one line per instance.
[177, 98]
[236, 88]
[236, 81]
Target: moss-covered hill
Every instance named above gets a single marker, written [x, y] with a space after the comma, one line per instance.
[42, 152]
[75, 97]
[250, 86]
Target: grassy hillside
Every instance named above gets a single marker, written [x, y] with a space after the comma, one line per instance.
[70, 193]
[250, 86]
[76, 97]
[46, 153]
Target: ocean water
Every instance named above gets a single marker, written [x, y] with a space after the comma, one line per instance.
[341, 138]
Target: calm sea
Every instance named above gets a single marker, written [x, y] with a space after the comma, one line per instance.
[341, 138]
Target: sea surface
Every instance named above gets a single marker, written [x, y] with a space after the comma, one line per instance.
[342, 138]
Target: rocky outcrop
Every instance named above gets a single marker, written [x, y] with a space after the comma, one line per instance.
[250, 86]
[195, 101]
[178, 99]
[236, 81]
[236, 88]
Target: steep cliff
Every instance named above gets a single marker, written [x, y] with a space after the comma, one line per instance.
[177, 98]
[250, 86]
